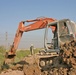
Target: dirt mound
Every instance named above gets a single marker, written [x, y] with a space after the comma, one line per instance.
[65, 64]
[31, 69]
[68, 53]
[27, 66]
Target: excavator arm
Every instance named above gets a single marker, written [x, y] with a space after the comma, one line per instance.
[37, 24]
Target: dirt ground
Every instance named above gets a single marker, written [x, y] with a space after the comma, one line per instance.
[64, 64]
[12, 72]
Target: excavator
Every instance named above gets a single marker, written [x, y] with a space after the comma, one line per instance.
[63, 30]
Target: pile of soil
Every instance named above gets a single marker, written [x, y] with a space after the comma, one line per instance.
[65, 63]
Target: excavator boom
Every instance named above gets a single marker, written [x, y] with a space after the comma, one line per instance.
[38, 24]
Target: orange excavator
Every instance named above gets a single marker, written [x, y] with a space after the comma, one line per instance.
[64, 31]
[38, 23]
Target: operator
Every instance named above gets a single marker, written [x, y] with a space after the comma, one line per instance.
[55, 37]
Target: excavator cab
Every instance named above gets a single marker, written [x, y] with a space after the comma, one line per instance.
[51, 37]
[64, 32]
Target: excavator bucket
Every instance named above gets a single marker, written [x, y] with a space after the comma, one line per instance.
[9, 58]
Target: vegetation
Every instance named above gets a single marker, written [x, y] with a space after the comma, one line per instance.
[2, 52]
[19, 55]
[23, 53]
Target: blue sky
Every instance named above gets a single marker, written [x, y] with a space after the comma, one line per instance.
[14, 11]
